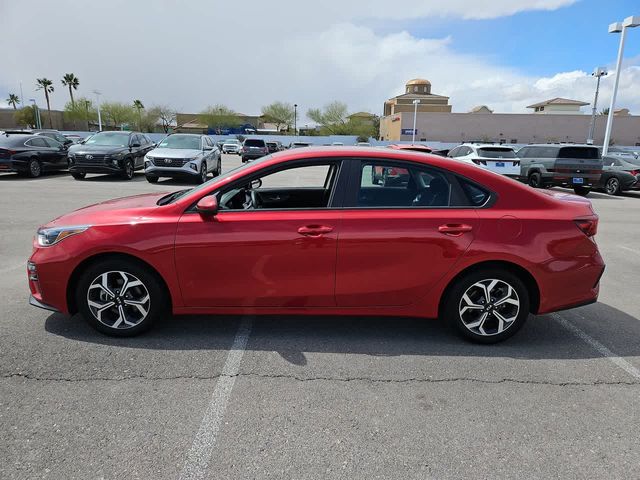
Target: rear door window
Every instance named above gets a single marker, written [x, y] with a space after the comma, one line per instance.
[585, 153]
[254, 143]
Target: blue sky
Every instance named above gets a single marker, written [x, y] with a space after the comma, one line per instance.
[539, 43]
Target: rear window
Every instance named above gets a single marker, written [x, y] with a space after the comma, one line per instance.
[254, 143]
[585, 153]
[493, 152]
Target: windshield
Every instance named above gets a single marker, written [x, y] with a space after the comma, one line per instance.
[497, 152]
[233, 140]
[181, 141]
[109, 139]
[172, 197]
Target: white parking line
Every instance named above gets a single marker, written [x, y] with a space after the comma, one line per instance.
[637, 252]
[195, 466]
[618, 361]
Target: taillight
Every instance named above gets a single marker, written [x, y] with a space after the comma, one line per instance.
[478, 161]
[634, 172]
[588, 226]
[516, 163]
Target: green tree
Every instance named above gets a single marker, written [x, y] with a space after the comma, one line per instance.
[280, 113]
[332, 118]
[46, 85]
[13, 100]
[218, 117]
[81, 110]
[72, 82]
[137, 104]
[118, 113]
[149, 119]
[25, 116]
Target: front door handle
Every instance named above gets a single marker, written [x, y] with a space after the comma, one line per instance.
[314, 230]
[454, 229]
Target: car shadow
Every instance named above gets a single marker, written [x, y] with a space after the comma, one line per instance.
[12, 176]
[542, 337]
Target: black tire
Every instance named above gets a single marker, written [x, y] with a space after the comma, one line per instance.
[582, 191]
[463, 321]
[218, 168]
[535, 180]
[151, 285]
[203, 173]
[152, 179]
[34, 168]
[127, 169]
[612, 186]
[78, 175]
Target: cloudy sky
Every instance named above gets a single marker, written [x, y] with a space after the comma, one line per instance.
[503, 53]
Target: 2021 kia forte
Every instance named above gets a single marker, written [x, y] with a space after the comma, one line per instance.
[307, 232]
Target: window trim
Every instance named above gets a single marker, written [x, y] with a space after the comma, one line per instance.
[355, 179]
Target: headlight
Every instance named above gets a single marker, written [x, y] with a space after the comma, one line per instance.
[51, 236]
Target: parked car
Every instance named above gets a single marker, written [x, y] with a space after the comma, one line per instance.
[296, 233]
[619, 152]
[274, 146]
[183, 155]
[299, 144]
[565, 165]
[411, 146]
[619, 174]
[337, 144]
[495, 158]
[231, 145]
[119, 153]
[73, 137]
[56, 135]
[253, 148]
[29, 154]
[363, 144]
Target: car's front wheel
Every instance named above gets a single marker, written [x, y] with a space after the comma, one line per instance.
[120, 297]
[203, 173]
[78, 175]
[582, 191]
[128, 171]
[152, 179]
[487, 306]
[612, 187]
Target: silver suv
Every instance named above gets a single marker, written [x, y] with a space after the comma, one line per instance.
[183, 155]
[565, 165]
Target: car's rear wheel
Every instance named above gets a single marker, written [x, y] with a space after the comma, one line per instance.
[34, 169]
[78, 175]
[535, 180]
[152, 179]
[127, 172]
[582, 191]
[612, 187]
[120, 297]
[487, 306]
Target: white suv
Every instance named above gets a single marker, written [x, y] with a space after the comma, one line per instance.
[497, 158]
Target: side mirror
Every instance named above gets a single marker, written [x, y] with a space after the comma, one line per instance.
[135, 145]
[207, 206]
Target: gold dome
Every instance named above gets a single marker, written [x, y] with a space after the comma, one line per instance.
[418, 81]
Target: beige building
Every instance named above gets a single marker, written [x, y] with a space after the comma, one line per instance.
[558, 106]
[555, 120]
[417, 89]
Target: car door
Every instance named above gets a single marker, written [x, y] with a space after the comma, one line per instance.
[263, 257]
[395, 245]
[57, 154]
[137, 152]
[41, 149]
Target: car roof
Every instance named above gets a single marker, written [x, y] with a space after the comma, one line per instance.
[559, 145]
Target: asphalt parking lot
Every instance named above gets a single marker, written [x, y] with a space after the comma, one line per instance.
[352, 398]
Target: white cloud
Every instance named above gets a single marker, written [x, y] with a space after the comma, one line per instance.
[190, 54]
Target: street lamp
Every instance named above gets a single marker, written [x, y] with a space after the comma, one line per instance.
[598, 73]
[416, 102]
[295, 119]
[99, 115]
[619, 27]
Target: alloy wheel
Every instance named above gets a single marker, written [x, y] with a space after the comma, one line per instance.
[118, 299]
[489, 307]
[34, 168]
[613, 185]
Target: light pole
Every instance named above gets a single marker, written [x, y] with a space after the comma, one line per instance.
[415, 116]
[99, 115]
[619, 27]
[598, 73]
[295, 119]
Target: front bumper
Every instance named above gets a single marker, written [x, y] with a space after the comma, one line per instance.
[37, 303]
[95, 168]
[171, 172]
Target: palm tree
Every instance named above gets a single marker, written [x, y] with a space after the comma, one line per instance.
[137, 104]
[13, 100]
[71, 81]
[604, 111]
[46, 85]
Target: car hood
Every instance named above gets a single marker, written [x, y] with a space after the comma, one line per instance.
[80, 149]
[128, 209]
[174, 153]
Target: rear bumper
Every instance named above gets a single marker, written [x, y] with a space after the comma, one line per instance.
[252, 156]
[7, 165]
[567, 179]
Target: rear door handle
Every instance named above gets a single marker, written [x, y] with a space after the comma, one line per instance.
[314, 230]
[454, 229]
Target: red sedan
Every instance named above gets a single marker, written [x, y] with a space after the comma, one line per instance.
[307, 232]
